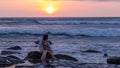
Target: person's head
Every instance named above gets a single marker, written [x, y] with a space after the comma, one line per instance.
[45, 37]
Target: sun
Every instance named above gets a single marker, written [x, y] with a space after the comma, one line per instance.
[50, 9]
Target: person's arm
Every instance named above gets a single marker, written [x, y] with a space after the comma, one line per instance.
[50, 42]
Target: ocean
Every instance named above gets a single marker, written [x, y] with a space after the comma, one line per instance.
[71, 36]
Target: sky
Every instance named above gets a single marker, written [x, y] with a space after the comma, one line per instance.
[63, 8]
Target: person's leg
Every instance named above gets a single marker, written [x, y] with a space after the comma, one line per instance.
[51, 53]
[43, 57]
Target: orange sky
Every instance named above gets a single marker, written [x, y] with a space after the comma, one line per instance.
[35, 8]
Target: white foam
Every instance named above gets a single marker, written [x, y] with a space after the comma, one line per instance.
[74, 32]
[75, 22]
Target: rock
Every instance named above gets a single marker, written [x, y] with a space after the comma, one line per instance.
[14, 57]
[113, 60]
[25, 66]
[7, 61]
[105, 55]
[62, 64]
[15, 61]
[9, 52]
[36, 42]
[4, 62]
[92, 51]
[65, 57]
[15, 48]
[35, 57]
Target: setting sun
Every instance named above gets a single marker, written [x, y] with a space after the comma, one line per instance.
[48, 6]
[50, 9]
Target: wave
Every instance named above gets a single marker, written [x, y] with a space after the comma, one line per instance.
[71, 32]
[75, 22]
[59, 21]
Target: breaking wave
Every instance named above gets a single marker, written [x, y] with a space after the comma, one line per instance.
[72, 32]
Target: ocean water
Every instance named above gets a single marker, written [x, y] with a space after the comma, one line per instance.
[70, 36]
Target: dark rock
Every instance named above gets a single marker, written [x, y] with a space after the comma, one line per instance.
[35, 57]
[15, 61]
[4, 62]
[65, 57]
[64, 64]
[14, 57]
[25, 66]
[36, 42]
[15, 48]
[113, 60]
[9, 52]
[7, 61]
[105, 55]
[92, 51]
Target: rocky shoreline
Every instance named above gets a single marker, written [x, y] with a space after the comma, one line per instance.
[66, 64]
[64, 61]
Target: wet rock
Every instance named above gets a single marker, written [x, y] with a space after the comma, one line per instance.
[7, 61]
[14, 57]
[35, 57]
[4, 62]
[65, 57]
[9, 52]
[36, 42]
[66, 64]
[113, 60]
[25, 66]
[15, 61]
[105, 55]
[92, 51]
[15, 48]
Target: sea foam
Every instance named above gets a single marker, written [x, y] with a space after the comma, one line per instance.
[72, 32]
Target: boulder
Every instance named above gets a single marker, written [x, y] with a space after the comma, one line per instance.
[113, 60]
[65, 57]
[25, 66]
[15, 48]
[105, 55]
[92, 51]
[14, 57]
[35, 57]
[7, 61]
[9, 52]
[36, 42]
[4, 62]
[15, 61]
